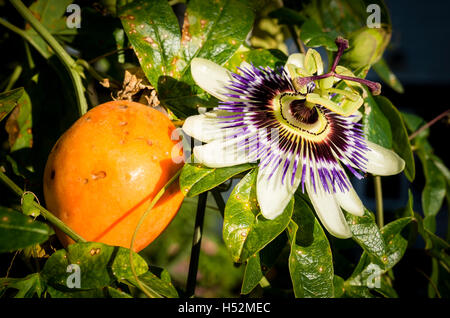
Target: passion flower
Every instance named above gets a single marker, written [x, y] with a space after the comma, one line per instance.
[301, 128]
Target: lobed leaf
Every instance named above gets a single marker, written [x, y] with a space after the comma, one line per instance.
[100, 265]
[26, 287]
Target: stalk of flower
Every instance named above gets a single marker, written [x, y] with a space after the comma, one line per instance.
[300, 128]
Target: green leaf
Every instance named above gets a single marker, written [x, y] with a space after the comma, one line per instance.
[433, 193]
[435, 245]
[400, 141]
[288, 16]
[76, 293]
[385, 73]
[210, 31]
[338, 283]
[310, 260]
[413, 123]
[260, 263]
[28, 207]
[257, 57]
[344, 16]
[245, 230]
[116, 293]
[368, 274]
[19, 124]
[367, 234]
[396, 244]
[9, 100]
[153, 30]
[195, 178]
[19, 231]
[51, 15]
[313, 36]
[253, 274]
[100, 265]
[154, 284]
[27, 287]
[376, 126]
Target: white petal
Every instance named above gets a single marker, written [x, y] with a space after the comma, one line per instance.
[211, 77]
[329, 212]
[357, 116]
[296, 59]
[246, 65]
[382, 161]
[272, 195]
[350, 202]
[219, 153]
[206, 127]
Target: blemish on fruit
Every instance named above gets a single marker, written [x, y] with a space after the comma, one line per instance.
[149, 142]
[85, 181]
[99, 175]
[123, 123]
[52, 174]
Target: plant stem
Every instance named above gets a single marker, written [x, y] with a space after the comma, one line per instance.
[23, 34]
[146, 289]
[379, 201]
[196, 243]
[429, 124]
[14, 77]
[65, 58]
[44, 212]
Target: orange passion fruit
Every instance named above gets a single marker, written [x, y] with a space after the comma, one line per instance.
[104, 171]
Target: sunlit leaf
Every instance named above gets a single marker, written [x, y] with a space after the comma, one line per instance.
[310, 260]
[195, 178]
[245, 230]
[367, 234]
[100, 265]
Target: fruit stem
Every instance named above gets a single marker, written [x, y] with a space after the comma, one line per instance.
[147, 289]
[379, 201]
[196, 244]
[44, 212]
[64, 57]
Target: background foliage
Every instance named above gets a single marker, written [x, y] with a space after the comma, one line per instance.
[122, 42]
